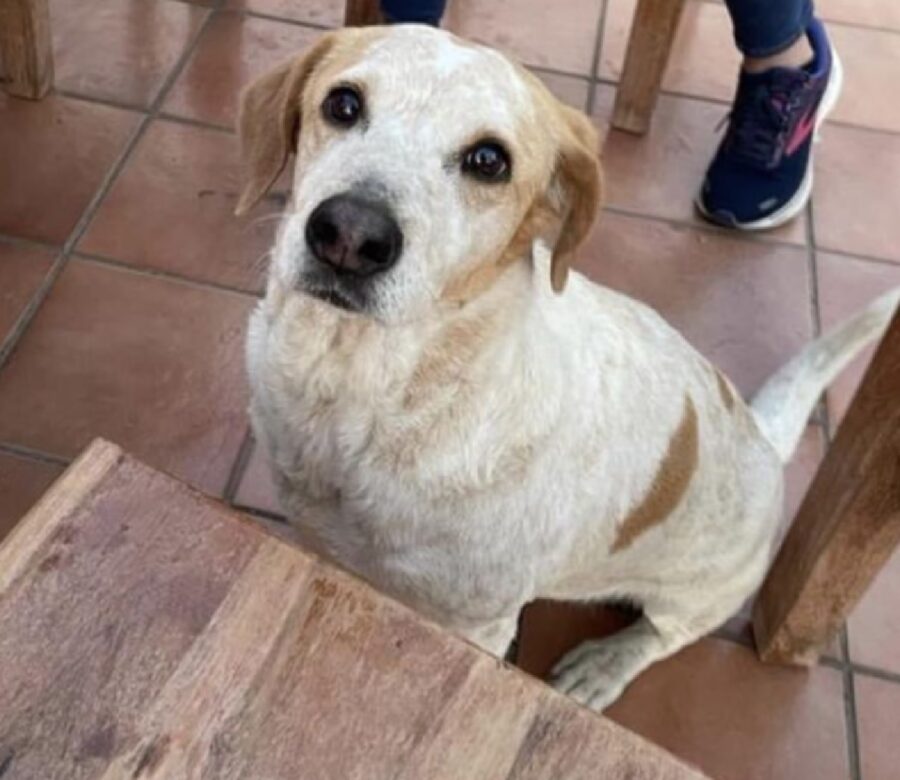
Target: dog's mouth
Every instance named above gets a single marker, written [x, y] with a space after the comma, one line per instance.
[332, 293]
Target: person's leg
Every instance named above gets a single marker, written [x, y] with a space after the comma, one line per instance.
[769, 28]
[761, 175]
[414, 11]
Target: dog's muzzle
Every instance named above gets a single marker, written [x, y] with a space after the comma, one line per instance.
[352, 239]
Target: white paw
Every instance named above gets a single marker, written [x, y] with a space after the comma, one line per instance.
[595, 673]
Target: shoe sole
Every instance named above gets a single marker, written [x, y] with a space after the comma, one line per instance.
[800, 198]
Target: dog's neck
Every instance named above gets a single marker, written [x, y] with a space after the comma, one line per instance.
[362, 353]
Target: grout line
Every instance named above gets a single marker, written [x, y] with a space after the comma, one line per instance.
[122, 105]
[29, 243]
[185, 120]
[27, 453]
[832, 663]
[857, 256]
[169, 276]
[723, 103]
[850, 716]
[813, 270]
[871, 671]
[262, 513]
[8, 345]
[283, 19]
[315, 26]
[239, 467]
[595, 59]
[737, 235]
[28, 315]
[548, 71]
[821, 408]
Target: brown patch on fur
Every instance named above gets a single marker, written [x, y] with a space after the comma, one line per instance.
[445, 358]
[271, 108]
[473, 282]
[670, 483]
[725, 391]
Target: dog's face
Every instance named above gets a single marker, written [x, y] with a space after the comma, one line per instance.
[424, 166]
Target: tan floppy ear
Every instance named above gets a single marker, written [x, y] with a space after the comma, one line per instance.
[269, 122]
[581, 183]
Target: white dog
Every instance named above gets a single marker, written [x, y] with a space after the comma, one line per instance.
[449, 412]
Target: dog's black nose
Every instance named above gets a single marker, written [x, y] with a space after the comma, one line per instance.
[354, 235]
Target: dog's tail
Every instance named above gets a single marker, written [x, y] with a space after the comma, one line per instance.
[784, 403]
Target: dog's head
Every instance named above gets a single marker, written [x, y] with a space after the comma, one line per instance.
[424, 166]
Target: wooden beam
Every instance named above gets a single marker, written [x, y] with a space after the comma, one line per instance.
[361, 13]
[652, 34]
[26, 47]
[846, 529]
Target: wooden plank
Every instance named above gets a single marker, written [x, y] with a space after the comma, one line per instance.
[361, 13]
[26, 47]
[151, 633]
[847, 528]
[652, 34]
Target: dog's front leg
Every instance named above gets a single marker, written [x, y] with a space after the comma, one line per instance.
[597, 671]
[495, 637]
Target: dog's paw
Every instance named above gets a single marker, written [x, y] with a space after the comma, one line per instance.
[595, 673]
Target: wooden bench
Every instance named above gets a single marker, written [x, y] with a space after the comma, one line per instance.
[149, 632]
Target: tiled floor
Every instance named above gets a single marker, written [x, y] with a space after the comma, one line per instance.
[125, 285]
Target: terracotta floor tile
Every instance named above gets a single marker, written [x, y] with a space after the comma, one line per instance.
[871, 72]
[659, 174]
[857, 192]
[47, 183]
[22, 269]
[704, 60]
[257, 489]
[172, 209]
[847, 285]
[22, 482]
[233, 51]
[884, 14]
[153, 365]
[573, 91]
[875, 622]
[533, 31]
[120, 50]
[878, 713]
[329, 13]
[801, 470]
[718, 707]
[745, 304]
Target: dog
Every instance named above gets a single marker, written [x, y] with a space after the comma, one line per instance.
[453, 414]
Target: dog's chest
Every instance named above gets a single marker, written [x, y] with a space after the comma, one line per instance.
[408, 487]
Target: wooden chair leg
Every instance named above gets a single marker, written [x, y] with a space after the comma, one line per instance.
[26, 47]
[652, 34]
[846, 529]
[360, 13]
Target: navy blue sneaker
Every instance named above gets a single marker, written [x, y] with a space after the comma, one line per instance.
[762, 174]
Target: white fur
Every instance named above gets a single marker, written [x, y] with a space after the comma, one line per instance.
[509, 480]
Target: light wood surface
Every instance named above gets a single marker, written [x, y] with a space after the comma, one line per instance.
[847, 528]
[652, 34]
[26, 48]
[149, 632]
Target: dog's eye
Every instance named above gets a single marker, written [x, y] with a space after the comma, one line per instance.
[487, 161]
[343, 106]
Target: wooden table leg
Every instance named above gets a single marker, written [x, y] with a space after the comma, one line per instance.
[26, 47]
[846, 529]
[655, 24]
[360, 13]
